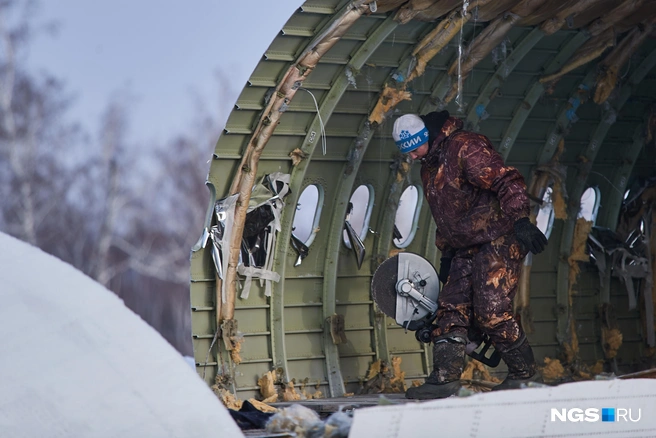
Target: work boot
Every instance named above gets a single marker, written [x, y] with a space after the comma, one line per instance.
[448, 363]
[521, 366]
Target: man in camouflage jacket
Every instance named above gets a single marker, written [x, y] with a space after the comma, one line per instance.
[481, 210]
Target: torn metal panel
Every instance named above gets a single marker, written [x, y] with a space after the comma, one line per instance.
[260, 228]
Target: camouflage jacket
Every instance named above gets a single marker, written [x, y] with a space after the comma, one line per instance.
[473, 196]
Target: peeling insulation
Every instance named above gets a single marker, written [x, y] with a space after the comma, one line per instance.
[586, 372]
[571, 346]
[297, 156]
[558, 199]
[620, 23]
[228, 399]
[236, 348]
[611, 337]
[289, 393]
[552, 370]
[262, 406]
[611, 341]
[495, 9]
[475, 370]
[425, 10]
[612, 17]
[398, 379]
[611, 65]
[556, 22]
[306, 395]
[647, 9]
[220, 388]
[578, 252]
[285, 92]
[389, 98]
[382, 378]
[267, 385]
[436, 40]
[402, 167]
[546, 11]
[591, 49]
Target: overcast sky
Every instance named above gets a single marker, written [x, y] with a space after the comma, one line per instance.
[159, 51]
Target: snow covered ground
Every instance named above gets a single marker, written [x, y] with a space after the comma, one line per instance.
[568, 410]
[76, 362]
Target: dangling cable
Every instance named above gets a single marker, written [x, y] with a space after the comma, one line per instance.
[323, 130]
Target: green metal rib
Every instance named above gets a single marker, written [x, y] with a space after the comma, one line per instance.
[502, 73]
[589, 155]
[526, 106]
[298, 174]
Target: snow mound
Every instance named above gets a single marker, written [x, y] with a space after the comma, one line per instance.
[76, 362]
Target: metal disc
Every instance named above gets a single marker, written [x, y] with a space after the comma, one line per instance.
[383, 286]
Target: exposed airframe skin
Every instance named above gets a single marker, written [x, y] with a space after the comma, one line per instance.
[355, 88]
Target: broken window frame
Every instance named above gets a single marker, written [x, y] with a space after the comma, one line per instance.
[317, 214]
[415, 219]
[547, 205]
[594, 211]
[362, 234]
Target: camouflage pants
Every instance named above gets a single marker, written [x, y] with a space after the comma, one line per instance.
[479, 293]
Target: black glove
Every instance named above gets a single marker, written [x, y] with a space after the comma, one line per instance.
[529, 236]
[445, 267]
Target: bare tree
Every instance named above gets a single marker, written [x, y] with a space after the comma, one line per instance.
[125, 214]
[32, 133]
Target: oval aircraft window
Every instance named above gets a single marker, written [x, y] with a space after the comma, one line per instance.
[545, 217]
[308, 212]
[589, 204]
[359, 212]
[407, 215]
